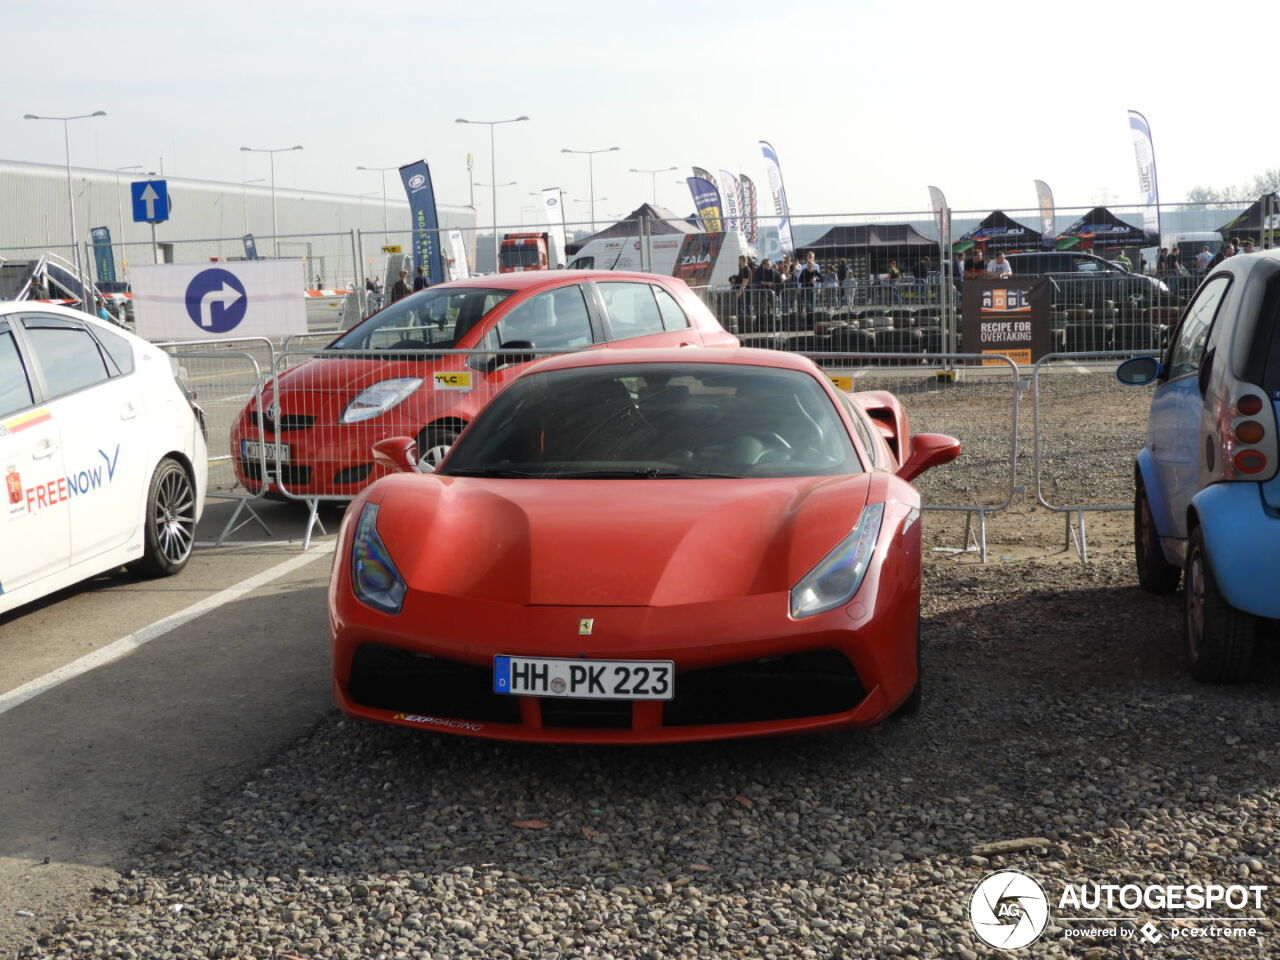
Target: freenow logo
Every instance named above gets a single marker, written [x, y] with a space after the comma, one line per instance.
[1009, 910]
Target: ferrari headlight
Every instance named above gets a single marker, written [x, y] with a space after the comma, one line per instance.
[374, 578]
[838, 575]
[378, 399]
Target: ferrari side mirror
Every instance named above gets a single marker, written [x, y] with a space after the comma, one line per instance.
[399, 454]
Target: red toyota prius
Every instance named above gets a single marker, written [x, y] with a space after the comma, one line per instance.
[309, 433]
[642, 547]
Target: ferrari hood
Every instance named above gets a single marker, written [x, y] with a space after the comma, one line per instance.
[612, 542]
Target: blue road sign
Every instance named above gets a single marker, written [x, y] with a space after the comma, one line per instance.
[150, 201]
[216, 300]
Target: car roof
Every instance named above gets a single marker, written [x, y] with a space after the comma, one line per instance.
[536, 278]
[739, 356]
[11, 307]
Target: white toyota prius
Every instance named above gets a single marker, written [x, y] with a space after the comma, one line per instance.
[101, 449]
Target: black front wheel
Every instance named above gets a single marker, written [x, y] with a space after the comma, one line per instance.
[911, 706]
[1155, 573]
[170, 522]
[1220, 638]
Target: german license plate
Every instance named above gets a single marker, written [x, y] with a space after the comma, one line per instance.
[585, 679]
[255, 450]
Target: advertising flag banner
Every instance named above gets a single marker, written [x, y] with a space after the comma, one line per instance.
[1044, 197]
[941, 220]
[238, 298]
[459, 269]
[1145, 152]
[427, 250]
[553, 207]
[732, 206]
[706, 200]
[104, 261]
[706, 175]
[749, 207]
[779, 197]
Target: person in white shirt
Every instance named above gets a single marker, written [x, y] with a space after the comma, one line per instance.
[1000, 267]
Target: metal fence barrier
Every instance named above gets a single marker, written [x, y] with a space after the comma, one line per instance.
[1087, 428]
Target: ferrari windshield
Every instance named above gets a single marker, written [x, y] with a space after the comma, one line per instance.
[433, 318]
[657, 421]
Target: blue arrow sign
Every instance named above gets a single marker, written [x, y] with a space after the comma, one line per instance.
[150, 201]
[216, 300]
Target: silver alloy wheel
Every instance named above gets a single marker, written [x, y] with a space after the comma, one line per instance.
[1195, 602]
[175, 516]
[432, 456]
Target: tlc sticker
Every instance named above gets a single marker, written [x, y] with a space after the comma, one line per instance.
[842, 383]
[452, 379]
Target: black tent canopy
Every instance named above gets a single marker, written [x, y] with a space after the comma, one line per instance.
[999, 231]
[1261, 216]
[1103, 229]
[662, 222]
[872, 245]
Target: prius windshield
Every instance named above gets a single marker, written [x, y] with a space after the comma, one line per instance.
[657, 421]
[433, 318]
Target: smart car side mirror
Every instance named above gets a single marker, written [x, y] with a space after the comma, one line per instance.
[1138, 371]
[928, 450]
[399, 454]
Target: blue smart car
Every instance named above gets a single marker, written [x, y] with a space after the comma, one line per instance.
[1206, 491]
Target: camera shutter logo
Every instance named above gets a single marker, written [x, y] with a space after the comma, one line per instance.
[417, 180]
[1009, 910]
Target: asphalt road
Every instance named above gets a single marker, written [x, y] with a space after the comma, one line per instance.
[115, 756]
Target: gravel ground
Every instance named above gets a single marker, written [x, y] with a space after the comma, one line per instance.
[1057, 712]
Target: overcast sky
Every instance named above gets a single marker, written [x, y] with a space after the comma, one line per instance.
[867, 103]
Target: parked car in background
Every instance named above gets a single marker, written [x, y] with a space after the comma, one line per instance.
[642, 547]
[311, 430]
[1087, 280]
[1206, 490]
[102, 450]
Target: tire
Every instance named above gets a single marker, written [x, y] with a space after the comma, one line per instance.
[1220, 638]
[433, 443]
[911, 706]
[1155, 573]
[170, 522]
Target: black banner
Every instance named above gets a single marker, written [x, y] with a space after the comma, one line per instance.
[1008, 316]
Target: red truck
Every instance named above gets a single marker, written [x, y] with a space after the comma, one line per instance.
[526, 251]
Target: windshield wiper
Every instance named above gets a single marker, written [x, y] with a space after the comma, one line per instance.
[491, 471]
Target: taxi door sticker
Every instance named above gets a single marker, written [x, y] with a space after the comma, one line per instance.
[24, 420]
[452, 379]
[13, 491]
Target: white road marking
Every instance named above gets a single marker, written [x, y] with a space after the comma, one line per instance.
[117, 649]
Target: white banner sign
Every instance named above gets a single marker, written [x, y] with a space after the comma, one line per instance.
[458, 267]
[219, 301]
[553, 207]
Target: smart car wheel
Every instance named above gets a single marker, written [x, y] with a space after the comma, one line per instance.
[1220, 638]
[170, 522]
[1155, 573]
[433, 444]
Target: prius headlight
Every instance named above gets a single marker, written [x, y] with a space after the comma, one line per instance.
[838, 575]
[374, 577]
[378, 399]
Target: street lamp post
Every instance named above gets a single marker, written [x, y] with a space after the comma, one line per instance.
[493, 176]
[71, 201]
[591, 175]
[275, 230]
[383, 172]
[653, 174]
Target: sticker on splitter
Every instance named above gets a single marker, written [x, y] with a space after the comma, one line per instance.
[452, 379]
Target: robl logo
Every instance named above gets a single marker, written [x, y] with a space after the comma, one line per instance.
[417, 180]
[1009, 910]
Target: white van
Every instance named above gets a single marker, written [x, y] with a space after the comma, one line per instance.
[698, 258]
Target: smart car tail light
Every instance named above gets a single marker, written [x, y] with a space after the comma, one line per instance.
[838, 575]
[1246, 429]
[374, 577]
